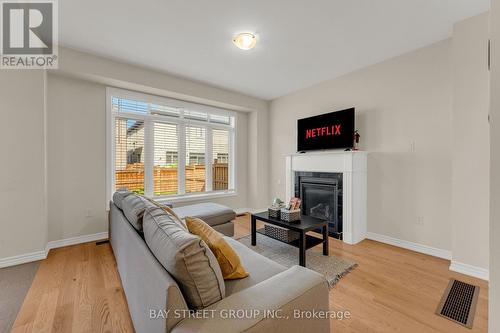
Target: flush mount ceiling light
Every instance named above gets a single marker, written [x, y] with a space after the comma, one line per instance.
[245, 40]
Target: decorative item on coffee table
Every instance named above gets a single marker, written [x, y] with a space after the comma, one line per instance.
[290, 215]
[274, 210]
[291, 212]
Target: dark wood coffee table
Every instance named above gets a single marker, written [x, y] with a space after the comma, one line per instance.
[305, 224]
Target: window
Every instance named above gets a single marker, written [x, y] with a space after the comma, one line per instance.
[129, 162]
[162, 147]
[195, 159]
[171, 157]
[220, 156]
[166, 146]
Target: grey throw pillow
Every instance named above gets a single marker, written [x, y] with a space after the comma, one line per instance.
[133, 209]
[118, 197]
[168, 210]
[186, 257]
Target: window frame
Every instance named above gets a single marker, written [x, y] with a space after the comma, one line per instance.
[181, 122]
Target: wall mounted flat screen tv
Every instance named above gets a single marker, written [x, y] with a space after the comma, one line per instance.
[334, 130]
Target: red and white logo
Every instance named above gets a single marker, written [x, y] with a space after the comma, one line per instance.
[324, 131]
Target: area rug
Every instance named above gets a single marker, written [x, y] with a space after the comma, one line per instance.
[332, 267]
[15, 282]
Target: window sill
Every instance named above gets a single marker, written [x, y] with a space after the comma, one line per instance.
[196, 196]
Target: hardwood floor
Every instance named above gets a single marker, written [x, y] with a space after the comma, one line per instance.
[77, 289]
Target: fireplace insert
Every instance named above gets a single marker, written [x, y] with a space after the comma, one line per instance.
[321, 195]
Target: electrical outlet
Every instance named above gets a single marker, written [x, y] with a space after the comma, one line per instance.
[420, 220]
[412, 146]
[88, 212]
[279, 181]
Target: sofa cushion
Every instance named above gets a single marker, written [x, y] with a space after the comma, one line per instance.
[118, 197]
[227, 229]
[228, 259]
[211, 213]
[133, 209]
[259, 268]
[186, 257]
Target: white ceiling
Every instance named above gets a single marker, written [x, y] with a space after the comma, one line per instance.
[300, 42]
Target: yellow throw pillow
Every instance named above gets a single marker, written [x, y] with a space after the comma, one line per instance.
[228, 259]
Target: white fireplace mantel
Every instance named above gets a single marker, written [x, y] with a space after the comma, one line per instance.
[353, 166]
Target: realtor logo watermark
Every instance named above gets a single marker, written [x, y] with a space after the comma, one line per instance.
[29, 35]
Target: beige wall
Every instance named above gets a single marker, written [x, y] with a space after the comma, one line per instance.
[494, 286]
[22, 180]
[103, 70]
[470, 149]
[258, 160]
[400, 103]
[77, 155]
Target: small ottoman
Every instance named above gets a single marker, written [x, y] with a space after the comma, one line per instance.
[217, 216]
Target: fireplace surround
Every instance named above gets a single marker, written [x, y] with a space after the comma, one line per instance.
[351, 167]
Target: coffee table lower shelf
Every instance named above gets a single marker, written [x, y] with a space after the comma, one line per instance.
[311, 241]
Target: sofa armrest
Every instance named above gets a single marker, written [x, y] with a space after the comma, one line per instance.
[269, 306]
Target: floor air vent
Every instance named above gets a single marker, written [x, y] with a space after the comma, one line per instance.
[459, 302]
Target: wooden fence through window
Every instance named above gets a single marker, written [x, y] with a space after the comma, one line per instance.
[165, 178]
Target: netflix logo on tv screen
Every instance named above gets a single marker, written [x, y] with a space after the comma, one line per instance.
[334, 130]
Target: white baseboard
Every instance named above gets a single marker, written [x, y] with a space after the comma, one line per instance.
[432, 251]
[257, 210]
[76, 240]
[478, 272]
[240, 211]
[40, 255]
[249, 210]
[22, 259]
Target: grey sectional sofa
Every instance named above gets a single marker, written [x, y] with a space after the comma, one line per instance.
[259, 303]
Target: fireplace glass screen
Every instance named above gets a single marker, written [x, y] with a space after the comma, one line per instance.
[321, 195]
